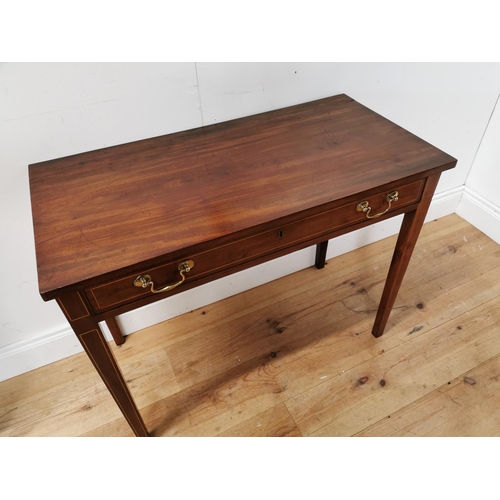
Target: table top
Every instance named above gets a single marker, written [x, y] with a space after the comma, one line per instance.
[97, 212]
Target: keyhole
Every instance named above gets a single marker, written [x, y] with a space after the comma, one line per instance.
[281, 234]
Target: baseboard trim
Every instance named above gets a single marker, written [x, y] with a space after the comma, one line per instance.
[445, 203]
[481, 213]
[28, 355]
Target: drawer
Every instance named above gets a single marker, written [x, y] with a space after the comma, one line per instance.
[123, 290]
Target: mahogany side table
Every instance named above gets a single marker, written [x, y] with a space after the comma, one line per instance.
[121, 227]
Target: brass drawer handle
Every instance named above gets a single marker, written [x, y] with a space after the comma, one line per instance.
[364, 206]
[144, 280]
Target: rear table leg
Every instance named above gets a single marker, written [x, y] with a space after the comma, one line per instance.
[115, 330]
[321, 254]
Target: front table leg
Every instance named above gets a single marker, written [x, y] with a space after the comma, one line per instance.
[92, 339]
[408, 235]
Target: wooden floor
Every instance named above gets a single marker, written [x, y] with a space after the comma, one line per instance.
[296, 357]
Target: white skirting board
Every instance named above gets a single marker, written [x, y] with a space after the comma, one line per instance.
[481, 213]
[24, 356]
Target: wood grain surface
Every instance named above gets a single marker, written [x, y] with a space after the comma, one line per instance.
[101, 211]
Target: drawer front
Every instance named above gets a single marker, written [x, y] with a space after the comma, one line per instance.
[123, 291]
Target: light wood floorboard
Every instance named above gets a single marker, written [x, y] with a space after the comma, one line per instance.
[295, 357]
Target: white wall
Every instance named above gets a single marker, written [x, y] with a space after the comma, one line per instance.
[480, 204]
[52, 110]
